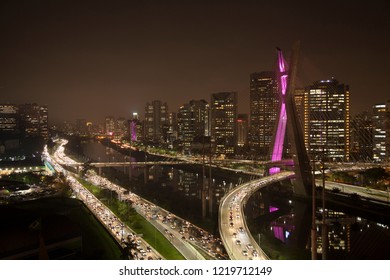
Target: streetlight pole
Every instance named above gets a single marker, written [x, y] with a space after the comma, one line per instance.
[122, 232]
[324, 226]
[203, 181]
[313, 221]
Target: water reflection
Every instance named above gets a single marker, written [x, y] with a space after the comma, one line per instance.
[285, 231]
[182, 190]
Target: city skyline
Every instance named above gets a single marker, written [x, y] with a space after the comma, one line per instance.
[94, 58]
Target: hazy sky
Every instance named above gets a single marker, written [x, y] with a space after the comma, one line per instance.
[89, 59]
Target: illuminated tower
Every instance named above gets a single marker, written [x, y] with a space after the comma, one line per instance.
[156, 121]
[34, 120]
[135, 128]
[110, 125]
[193, 121]
[9, 119]
[120, 128]
[242, 130]
[264, 103]
[286, 80]
[381, 135]
[327, 120]
[223, 122]
[280, 133]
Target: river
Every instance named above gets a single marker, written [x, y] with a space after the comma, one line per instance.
[279, 223]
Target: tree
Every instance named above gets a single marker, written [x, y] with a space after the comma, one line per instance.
[344, 177]
[374, 175]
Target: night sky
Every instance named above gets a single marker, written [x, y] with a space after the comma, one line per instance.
[89, 59]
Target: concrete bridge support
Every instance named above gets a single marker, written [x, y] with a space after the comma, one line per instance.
[302, 168]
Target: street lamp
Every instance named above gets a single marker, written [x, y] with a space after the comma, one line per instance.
[313, 221]
[122, 225]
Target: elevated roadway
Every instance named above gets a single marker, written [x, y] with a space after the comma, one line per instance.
[382, 196]
[238, 241]
[127, 163]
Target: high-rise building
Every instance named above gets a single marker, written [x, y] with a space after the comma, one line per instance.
[121, 129]
[156, 121]
[242, 130]
[44, 122]
[9, 118]
[192, 121]
[264, 102]
[9, 130]
[223, 108]
[23, 131]
[135, 129]
[34, 120]
[381, 132]
[327, 120]
[109, 126]
[362, 135]
[172, 129]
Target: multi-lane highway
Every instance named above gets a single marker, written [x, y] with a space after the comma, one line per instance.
[186, 244]
[234, 232]
[361, 191]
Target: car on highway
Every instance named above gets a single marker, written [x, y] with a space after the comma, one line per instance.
[143, 252]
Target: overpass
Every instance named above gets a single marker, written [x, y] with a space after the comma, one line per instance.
[236, 237]
[127, 163]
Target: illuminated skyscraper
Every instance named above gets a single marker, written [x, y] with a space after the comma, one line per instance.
[110, 126]
[34, 120]
[193, 121]
[9, 118]
[242, 130]
[156, 121]
[264, 103]
[223, 122]
[327, 120]
[170, 132]
[381, 127]
[135, 129]
[121, 129]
